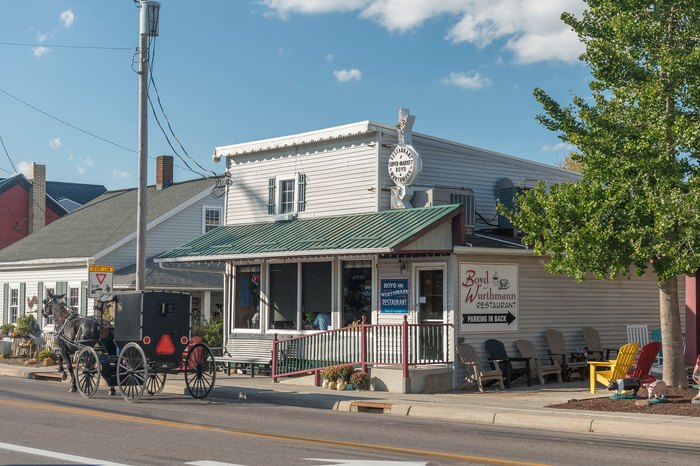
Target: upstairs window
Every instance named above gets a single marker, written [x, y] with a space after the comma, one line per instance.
[211, 218]
[286, 194]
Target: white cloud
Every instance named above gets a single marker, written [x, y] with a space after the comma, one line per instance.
[532, 29]
[120, 174]
[559, 147]
[55, 143]
[347, 75]
[330, 57]
[83, 165]
[42, 36]
[40, 51]
[471, 81]
[67, 18]
[23, 168]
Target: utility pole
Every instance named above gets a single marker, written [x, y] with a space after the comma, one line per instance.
[148, 28]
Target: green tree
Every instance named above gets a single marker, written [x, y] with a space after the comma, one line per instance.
[635, 210]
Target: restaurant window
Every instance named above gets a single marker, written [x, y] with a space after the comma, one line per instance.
[14, 304]
[247, 311]
[74, 298]
[316, 295]
[283, 296]
[212, 218]
[357, 292]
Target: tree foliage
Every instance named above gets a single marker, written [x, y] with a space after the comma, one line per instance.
[637, 139]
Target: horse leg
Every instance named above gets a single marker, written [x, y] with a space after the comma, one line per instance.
[69, 363]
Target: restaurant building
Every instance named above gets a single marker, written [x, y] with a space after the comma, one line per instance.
[374, 221]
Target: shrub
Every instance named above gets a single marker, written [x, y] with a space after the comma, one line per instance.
[212, 332]
[346, 371]
[47, 353]
[26, 325]
[6, 329]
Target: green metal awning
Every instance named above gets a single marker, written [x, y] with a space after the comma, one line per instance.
[371, 233]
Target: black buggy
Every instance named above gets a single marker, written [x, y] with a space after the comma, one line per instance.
[143, 337]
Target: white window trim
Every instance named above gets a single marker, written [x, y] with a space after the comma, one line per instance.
[13, 287]
[204, 216]
[278, 195]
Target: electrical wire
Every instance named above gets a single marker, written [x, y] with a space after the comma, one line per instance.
[65, 122]
[92, 47]
[8, 155]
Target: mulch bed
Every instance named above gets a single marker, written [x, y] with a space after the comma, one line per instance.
[678, 404]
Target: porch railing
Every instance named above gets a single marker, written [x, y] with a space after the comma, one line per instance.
[364, 345]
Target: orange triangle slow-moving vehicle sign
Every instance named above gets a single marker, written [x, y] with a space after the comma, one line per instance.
[165, 345]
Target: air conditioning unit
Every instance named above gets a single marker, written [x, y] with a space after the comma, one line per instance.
[438, 196]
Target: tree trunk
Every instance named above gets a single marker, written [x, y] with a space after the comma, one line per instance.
[675, 373]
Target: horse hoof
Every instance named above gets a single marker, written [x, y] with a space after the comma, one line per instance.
[64, 377]
[112, 391]
[72, 390]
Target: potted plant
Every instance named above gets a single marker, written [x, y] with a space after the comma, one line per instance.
[47, 356]
[330, 374]
[360, 380]
[345, 371]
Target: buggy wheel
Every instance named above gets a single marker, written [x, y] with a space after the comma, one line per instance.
[132, 372]
[200, 371]
[155, 383]
[87, 370]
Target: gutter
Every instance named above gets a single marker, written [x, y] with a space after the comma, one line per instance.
[275, 255]
[43, 263]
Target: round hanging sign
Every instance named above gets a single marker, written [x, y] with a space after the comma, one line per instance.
[404, 165]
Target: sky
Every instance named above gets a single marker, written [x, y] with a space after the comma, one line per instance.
[233, 71]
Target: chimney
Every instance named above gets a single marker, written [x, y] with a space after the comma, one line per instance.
[164, 171]
[37, 197]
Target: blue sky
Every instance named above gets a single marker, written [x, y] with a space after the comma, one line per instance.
[231, 71]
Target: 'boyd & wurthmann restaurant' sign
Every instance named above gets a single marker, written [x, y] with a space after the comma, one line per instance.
[488, 297]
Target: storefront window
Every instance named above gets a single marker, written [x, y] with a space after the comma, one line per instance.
[247, 310]
[316, 295]
[283, 296]
[357, 292]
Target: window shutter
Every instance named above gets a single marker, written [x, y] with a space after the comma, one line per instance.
[301, 199]
[39, 297]
[22, 298]
[6, 303]
[271, 196]
[83, 297]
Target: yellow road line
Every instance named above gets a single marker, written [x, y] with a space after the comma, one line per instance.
[263, 435]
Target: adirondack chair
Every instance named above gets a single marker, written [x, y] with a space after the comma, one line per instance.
[638, 333]
[595, 346]
[566, 360]
[614, 369]
[527, 349]
[647, 357]
[469, 357]
[498, 357]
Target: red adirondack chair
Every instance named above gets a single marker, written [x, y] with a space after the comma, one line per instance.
[647, 357]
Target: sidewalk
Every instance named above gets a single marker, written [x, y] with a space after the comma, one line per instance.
[520, 406]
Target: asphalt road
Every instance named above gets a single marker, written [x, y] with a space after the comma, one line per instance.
[43, 424]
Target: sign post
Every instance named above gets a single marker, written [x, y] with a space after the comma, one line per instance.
[100, 280]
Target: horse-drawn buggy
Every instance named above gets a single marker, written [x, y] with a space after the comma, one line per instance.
[134, 340]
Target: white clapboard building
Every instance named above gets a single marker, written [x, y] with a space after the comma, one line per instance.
[373, 220]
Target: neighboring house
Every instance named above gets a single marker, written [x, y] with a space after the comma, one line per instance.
[28, 204]
[369, 220]
[103, 232]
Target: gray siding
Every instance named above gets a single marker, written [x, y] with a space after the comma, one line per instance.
[340, 175]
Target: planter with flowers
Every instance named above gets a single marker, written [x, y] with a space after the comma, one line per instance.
[360, 380]
[330, 375]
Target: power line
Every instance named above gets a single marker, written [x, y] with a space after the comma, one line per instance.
[92, 47]
[8, 155]
[65, 122]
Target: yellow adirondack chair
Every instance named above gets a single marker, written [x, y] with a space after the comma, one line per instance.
[613, 369]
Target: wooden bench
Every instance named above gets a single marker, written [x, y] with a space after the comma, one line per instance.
[251, 363]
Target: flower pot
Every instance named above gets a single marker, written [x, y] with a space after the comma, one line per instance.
[332, 385]
[340, 385]
[325, 383]
[349, 387]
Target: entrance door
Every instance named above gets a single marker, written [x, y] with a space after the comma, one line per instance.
[431, 310]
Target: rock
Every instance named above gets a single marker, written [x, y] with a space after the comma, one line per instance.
[30, 362]
[49, 362]
[642, 403]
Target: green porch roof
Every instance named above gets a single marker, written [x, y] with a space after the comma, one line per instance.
[371, 233]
